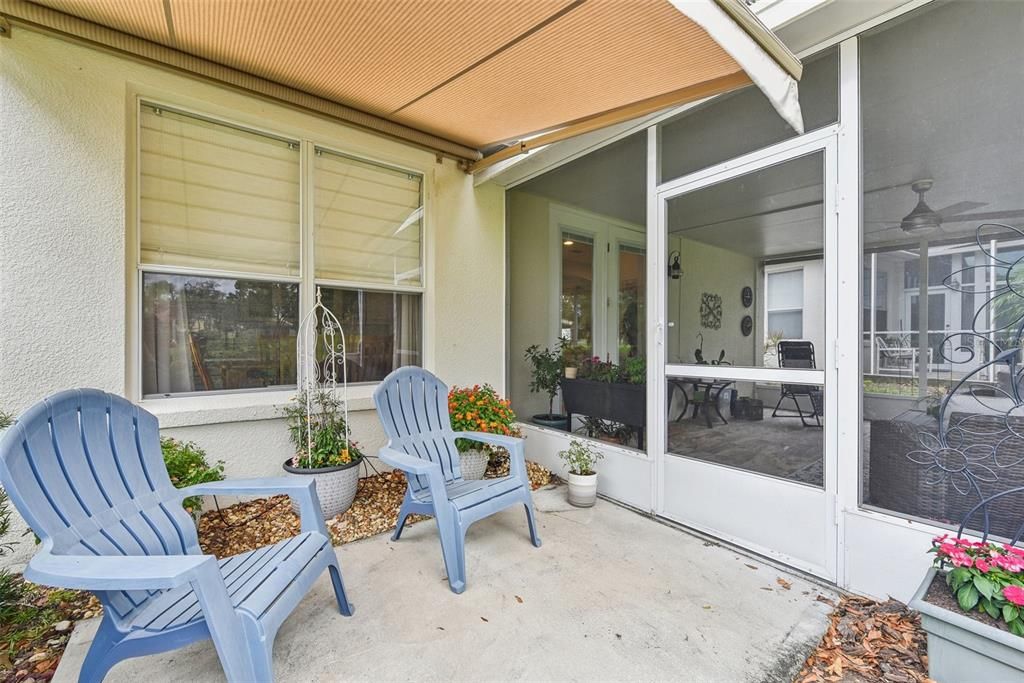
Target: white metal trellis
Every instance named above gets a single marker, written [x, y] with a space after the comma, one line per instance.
[321, 349]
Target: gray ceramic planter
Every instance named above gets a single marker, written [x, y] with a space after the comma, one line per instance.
[963, 649]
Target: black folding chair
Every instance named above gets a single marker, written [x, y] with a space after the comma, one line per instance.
[799, 354]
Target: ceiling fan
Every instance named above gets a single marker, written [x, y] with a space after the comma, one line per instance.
[923, 219]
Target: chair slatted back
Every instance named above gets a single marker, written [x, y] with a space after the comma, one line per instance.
[413, 406]
[85, 470]
[799, 355]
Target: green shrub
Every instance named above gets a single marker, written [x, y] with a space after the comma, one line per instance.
[187, 465]
[6, 419]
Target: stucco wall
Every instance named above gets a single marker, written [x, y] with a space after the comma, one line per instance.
[65, 164]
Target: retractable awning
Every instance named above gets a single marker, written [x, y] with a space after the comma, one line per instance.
[479, 80]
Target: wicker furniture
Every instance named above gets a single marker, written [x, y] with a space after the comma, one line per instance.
[899, 484]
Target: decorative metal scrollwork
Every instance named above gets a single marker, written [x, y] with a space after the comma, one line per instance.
[322, 366]
[973, 451]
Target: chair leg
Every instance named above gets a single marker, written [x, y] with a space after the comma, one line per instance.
[403, 514]
[782, 397]
[454, 554]
[262, 653]
[100, 657]
[530, 517]
[339, 589]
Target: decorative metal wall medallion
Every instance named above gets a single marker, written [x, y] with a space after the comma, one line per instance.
[747, 297]
[711, 311]
[747, 325]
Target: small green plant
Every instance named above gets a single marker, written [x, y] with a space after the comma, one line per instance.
[634, 370]
[606, 430]
[580, 457]
[319, 432]
[545, 372]
[187, 465]
[6, 419]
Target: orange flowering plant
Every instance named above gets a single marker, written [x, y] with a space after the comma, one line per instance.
[480, 409]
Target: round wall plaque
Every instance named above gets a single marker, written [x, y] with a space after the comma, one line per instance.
[747, 325]
[747, 297]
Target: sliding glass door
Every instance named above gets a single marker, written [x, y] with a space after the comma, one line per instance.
[748, 450]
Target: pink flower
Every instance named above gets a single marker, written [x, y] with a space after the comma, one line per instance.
[982, 565]
[960, 558]
[1014, 594]
[1010, 563]
[940, 540]
[1014, 550]
[948, 549]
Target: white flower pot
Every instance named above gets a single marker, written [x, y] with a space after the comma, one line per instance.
[473, 464]
[582, 489]
[570, 373]
[335, 486]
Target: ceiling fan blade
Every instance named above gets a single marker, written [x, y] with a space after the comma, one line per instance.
[987, 216]
[958, 208]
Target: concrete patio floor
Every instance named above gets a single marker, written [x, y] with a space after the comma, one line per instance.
[611, 595]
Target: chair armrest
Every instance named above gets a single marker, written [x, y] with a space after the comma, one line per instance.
[110, 572]
[303, 490]
[245, 487]
[513, 444]
[408, 463]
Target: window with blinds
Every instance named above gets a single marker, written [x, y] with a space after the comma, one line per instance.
[213, 196]
[368, 221]
[222, 221]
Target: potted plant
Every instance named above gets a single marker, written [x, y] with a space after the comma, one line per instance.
[580, 458]
[605, 391]
[323, 449]
[572, 355]
[478, 409]
[545, 377]
[972, 608]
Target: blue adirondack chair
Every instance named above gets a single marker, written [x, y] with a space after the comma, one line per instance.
[413, 405]
[84, 469]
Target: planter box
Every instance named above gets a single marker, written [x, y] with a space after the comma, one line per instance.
[618, 402]
[963, 649]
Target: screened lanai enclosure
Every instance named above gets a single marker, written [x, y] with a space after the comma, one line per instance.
[753, 230]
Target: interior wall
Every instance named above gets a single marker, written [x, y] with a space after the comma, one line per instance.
[714, 270]
[66, 226]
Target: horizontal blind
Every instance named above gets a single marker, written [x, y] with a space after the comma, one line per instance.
[368, 221]
[217, 197]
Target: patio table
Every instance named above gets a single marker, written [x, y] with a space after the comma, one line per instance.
[712, 389]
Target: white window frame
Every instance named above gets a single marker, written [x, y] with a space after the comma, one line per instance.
[779, 270]
[307, 145]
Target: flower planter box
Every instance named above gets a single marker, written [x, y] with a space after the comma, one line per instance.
[963, 649]
[618, 402]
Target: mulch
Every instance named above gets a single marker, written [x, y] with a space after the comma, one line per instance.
[34, 637]
[869, 641]
[246, 526]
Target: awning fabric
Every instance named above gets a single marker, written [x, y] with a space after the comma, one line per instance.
[463, 77]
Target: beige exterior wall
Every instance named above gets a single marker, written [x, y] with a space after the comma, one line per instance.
[67, 114]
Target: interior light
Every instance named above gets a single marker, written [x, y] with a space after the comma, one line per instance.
[568, 243]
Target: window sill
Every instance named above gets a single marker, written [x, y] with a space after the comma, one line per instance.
[191, 411]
